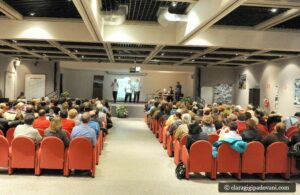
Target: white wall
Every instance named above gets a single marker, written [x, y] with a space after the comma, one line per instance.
[26, 67]
[80, 82]
[266, 77]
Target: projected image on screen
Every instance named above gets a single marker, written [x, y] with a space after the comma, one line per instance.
[122, 83]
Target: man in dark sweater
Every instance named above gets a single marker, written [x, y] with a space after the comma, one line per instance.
[251, 133]
[195, 134]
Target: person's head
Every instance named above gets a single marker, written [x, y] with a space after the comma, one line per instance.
[248, 115]
[194, 128]
[298, 126]
[207, 120]
[92, 114]
[250, 124]
[218, 124]
[55, 124]
[1, 113]
[232, 126]
[177, 115]
[280, 129]
[72, 113]
[29, 118]
[241, 116]
[85, 118]
[63, 114]
[22, 94]
[297, 114]
[29, 109]
[178, 83]
[42, 113]
[156, 104]
[186, 118]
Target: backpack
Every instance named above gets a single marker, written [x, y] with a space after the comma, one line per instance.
[294, 150]
[180, 170]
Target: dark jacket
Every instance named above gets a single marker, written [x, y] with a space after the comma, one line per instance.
[60, 134]
[251, 135]
[174, 126]
[274, 137]
[193, 138]
[4, 125]
[295, 139]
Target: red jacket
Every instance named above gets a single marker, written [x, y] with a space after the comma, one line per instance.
[67, 124]
[41, 123]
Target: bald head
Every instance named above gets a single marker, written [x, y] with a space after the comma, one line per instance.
[85, 117]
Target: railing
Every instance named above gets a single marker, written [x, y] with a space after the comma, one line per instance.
[53, 94]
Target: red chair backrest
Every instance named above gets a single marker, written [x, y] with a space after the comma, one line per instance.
[201, 156]
[183, 140]
[10, 135]
[80, 153]
[253, 159]
[262, 127]
[277, 158]
[22, 152]
[212, 138]
[4, 152]
[291, 131]
[51, 153]
[228, 160]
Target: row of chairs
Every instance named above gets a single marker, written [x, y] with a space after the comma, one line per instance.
[256, 159]
[22, 152]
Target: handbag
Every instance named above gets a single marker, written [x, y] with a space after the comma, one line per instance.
[180, 170]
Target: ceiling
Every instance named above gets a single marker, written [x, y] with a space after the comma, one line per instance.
[244, 16]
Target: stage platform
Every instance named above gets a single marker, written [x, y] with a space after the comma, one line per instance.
[134, 110]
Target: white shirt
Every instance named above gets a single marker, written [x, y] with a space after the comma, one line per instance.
[115, 86]
[128, 88]
[137, 86]
[28, 131]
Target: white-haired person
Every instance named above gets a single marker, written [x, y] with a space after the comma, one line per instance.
[183, 128]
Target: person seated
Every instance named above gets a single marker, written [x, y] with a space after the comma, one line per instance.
[28, 130]
[176, 123]
[241, 122]
[273, 119]
[3, 123]
[67, 124]
[55, 129]
[73, 116]
[183, 128]
[207, 124]
[251, 133]
[291, 121]
[83, 130]
[296, 137]
[277, 136]
[93, 123]
[232, 134]
[41, 122]
[195, 134]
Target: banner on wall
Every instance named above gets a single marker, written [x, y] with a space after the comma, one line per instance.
[297, 92]
[223, 93]
[242, 81]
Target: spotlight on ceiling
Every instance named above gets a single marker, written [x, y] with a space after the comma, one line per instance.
[162, 54]
[14, 41]
[174, 4]
[274, 10]
[32, 14]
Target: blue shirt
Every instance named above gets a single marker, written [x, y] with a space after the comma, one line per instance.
[94, 125]
[84, 131]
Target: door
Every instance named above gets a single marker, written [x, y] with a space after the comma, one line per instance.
[254, 97]
[98, 87]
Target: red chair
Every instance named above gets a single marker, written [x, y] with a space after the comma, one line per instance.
[294, 170]
[262, 129]
[22, 153]
[253, 159]
[10, 135]
[199, 159]
[4, 152]
[291, 131]
[178, 148]
[165, 136]
[212, 138]
[277, 159]
[51, 155]
[81, 156]
[170, 147]
[1, 132]
[228, 161]
[99, 146]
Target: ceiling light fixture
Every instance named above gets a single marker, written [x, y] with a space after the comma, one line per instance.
[193, 60]
[162, 54]
[274, 10]
[236, 54]
[174, 4]
[82, 56]
[14, 41]
[203, 56]
[245, 57]
[76, 51]
[32, 14]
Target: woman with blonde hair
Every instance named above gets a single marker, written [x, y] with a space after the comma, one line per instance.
[55, 129]
[73, 116]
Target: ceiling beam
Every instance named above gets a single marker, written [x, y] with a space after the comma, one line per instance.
[21, 49]
[156, 50]
[292, 13]
[9, 11]
[273, 3]
[203, 15]
[109, 52]
[90, 13]
[64, 50]
[197, 55]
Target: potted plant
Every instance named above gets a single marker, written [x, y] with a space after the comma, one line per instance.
[121, 111]
[65, 94]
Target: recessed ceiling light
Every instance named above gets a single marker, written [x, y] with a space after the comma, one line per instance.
[82, 56]
[245, 57]
[203, 56]
[174, 4]
[162, 54]
[14, 41]
[193, 60]
[76, 50]
[119, 57]
[69, 0]
[32, 13]
[236, 54]
[274, 10]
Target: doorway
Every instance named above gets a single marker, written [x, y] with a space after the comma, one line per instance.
[98, 87]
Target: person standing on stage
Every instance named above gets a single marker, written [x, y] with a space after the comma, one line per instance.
[137, 89]
[178, 91]
[115, 87]
[128, 91]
